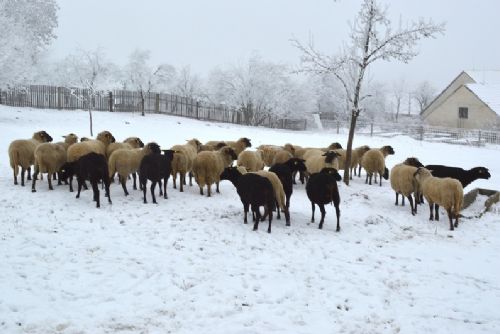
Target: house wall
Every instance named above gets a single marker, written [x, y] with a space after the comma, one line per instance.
[459, 81]
[480, 116]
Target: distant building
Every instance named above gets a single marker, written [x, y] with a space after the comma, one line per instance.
[471, 101]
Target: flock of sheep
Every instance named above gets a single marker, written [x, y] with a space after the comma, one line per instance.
[98, 160]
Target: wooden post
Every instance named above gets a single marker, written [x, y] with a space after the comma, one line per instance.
[110, 101]
[197, 109]
[479, 141]
[157, 103]
[371, 129]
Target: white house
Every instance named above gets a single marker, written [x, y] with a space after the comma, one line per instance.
[471, 101]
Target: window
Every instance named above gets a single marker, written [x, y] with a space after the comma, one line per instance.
[463, 112]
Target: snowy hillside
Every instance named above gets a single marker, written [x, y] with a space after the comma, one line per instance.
[190, 265]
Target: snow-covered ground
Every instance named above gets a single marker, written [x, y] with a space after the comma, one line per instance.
[190, 265]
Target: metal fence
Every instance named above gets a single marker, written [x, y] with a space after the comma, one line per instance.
[475, 137]
[50, 97]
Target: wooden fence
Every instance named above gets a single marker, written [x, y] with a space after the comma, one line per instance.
[50, 97]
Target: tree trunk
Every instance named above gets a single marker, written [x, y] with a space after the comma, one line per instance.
[142, 103]
[350, 138]
[90, 119]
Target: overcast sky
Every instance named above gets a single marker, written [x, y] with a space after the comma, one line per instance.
[209, 33]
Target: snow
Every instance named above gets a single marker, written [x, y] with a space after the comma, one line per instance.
[189, 264]
[489, 94]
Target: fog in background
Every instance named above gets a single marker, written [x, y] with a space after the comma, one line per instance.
[207, 34]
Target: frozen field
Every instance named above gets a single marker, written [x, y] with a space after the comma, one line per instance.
[190, 265]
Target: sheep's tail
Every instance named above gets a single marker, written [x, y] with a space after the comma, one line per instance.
[111, 165]
[14, 161]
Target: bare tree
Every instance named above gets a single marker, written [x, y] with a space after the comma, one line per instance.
[398, 94]
[372, 38]
[423, 94]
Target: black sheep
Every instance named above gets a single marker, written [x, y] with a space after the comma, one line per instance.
[285, 172]
[464, 176]
[155, 167]
[254, 190]
[322, 189]
[92, 167]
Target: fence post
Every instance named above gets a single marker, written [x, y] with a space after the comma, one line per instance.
[197, 109]
[371, 129]
[110, 95]
[305, 124]
[421, 133]
[157, 103]
[479, 141]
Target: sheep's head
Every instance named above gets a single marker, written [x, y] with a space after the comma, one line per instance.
[245, 141]
[84, 139]
[169, 154]
[330, 156]
[297, 164]
[42, 137]
[421, 173]
[386, 173]
[363, 149]
[70, 138]
[196, 143]
[220, 145]
[334, 146]
[412, 161]
[67, 170]
[332, 172]
[134, 142]
[481, 172]
[228, 151]
[387, 150]
[289, 147]
[153, 148]
[230, 173]
[106, 137]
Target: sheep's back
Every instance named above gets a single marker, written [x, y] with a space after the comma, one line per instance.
[446, 192]
[50, 157]
[373, 161]
[80, 149]
[22, 152]
[251, 160]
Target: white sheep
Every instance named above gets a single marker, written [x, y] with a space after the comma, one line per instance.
[130, 143]
[238, 146]
[190, 150]
[446, 192]
[50, 157]
[97, 145]
[403, 182]
[315, 163]
[209, 165]
[373, 161]
[126, 161]
[22, 153]
[251, 160]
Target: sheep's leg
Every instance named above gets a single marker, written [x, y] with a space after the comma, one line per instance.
[436, 207]
[450, 218]
[133, 178]
[350, 173]
[79, 187]
[124, 186]
[165, 187]
[413, 209]
[397, 198]
[323, 213]
[201, 190]
[217, 187]
[71, 183]
[431, 209]
[359, 171]
[107, 192]
[33, 183]
[287, 217]
[209, 190]
[301, 177]
[174, 180]
[245, 210]
[29, 174]
[263, 218]
[294, 175]
[277, 210]
[190, 179]
[337, 212]
[153, 184]
[313, 207]
[23, 170]
[367, 176]
[288, 201]
[257, 216]
[95, 189]
[144, 190]
[160, 192]
[456, 218]
[49, 180]
[380, 177]
[271, 219]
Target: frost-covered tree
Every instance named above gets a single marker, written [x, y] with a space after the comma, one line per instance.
[423, 94]
[372, 38]
[188, 84]
[27, 28]
[398, 94]
[257, 87]
[139, 75]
